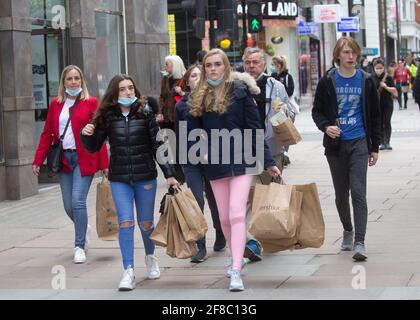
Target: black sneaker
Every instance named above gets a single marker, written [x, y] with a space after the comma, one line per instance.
[220, 242]
[200, 256]
[388, 147]
[382, 147]
[360, 251]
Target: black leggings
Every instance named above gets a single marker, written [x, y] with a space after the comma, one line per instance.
[400, 93]
[386, 115]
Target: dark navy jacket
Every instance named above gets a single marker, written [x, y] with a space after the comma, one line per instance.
[240, 115]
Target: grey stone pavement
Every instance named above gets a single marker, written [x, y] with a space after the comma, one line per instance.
[36, 237]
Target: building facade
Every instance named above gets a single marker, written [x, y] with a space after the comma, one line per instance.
[38, 38]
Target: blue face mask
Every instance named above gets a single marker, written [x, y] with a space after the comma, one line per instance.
[73, 92]
[126, 102]
[215, 83]
[273, 69]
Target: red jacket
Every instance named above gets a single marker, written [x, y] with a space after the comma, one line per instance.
[89, 163]
[402, 75]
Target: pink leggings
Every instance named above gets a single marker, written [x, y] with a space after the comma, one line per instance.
[231, 197]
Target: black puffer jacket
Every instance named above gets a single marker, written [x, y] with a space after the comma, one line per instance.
[133, 145]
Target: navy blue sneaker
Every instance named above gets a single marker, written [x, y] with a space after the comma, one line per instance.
[253, 250]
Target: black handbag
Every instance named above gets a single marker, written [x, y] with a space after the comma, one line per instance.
[55, 153]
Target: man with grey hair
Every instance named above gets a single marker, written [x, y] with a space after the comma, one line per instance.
[272, 97]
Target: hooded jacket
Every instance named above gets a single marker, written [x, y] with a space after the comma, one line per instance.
[325, 111]
[241, 114]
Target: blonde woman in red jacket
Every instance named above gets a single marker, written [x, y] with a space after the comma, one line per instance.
[78, 165]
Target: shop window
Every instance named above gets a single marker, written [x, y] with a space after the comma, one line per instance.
[48, 47]
[110, 42]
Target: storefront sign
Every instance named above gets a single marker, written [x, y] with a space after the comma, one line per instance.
[307, 28]
[370, 51]
[350, 24]
[327, 13]
[276, 9]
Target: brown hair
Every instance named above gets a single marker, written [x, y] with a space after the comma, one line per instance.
[343, 41]
[110, 99]
[206, 98]
[187, 75]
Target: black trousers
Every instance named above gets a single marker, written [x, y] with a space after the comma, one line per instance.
[386, 115]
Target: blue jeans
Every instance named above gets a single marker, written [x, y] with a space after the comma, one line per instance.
[143, 193]
[74, 189]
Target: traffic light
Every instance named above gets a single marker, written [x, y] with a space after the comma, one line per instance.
[254, 16]
[198, 7]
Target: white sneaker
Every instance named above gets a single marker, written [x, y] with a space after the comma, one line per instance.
[230, 270]
[79, 255]
[153, 271]
[236, 283]
[87, 237]
[128, 280]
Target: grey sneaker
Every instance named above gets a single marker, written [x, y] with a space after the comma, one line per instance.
[359, 251]
[347, 244]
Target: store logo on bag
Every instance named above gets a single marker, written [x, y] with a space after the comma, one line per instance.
[270, 208]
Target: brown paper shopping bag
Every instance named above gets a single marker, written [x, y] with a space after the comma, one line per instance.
[310, 231]
[160, 235]
[274, 211]
[177, 246]
[190, 217]
[286, 133]
[106, 214]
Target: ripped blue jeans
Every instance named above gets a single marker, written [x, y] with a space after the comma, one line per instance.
[143, 194]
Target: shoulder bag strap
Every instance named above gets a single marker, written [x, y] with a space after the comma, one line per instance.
[68, 122]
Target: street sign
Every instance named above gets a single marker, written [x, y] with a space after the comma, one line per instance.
[370, 51]
[307, 28]
[350, 24]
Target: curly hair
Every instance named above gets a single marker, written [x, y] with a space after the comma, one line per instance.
[205, 98]
[110, 100]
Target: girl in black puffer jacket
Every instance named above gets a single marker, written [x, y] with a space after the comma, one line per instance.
[125, 119]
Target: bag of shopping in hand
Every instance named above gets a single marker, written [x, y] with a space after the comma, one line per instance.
[106, 214]
[285, 132]
[160, 235]
[189, 215]
[275, 208]
[310, 231]
[177, 246]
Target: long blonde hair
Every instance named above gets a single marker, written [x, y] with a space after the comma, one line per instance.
[84, 95]
[205, 98]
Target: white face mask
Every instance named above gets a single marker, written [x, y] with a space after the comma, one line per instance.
[379, 71]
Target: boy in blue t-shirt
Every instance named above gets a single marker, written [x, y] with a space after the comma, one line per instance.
[346, 109]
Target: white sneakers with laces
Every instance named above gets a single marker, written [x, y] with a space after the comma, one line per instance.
[236, 283]
[152, 267]
[79, 255]
[128, 280]
[87, 237]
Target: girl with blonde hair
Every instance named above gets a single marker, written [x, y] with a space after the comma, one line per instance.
[78, 165]
[219, 103]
